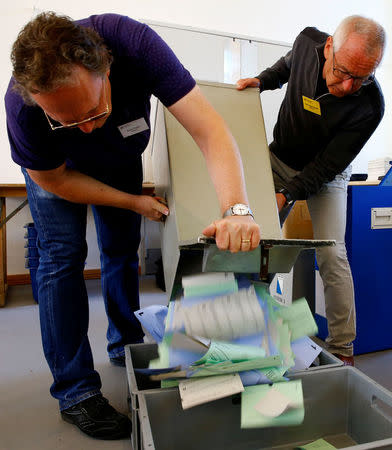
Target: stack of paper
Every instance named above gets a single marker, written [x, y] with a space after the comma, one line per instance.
[378, 168]
[219, 338]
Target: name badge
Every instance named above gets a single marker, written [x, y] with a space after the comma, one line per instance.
[133, 127]
[311, 105]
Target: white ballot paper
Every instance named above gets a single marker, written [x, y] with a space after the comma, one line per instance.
[196, 392]
[305, 351]
[273, 404]
[207, 279]
[225, 318]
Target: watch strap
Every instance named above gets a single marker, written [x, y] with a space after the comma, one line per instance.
[287, 195]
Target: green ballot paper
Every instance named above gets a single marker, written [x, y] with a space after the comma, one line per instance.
[225, 351]
[221, 368]
[320, 444]
[280, 404]
[299, 319]
[209, 284]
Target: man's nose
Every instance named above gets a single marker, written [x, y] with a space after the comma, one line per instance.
[87, 127]
[348, 84]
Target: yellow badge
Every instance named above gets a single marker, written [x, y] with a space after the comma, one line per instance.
[311, 105]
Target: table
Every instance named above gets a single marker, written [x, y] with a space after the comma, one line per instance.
[19, 190]
[6, 190]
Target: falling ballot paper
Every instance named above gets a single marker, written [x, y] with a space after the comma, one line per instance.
[220, 339]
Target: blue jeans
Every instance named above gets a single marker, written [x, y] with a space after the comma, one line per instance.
[62, 295]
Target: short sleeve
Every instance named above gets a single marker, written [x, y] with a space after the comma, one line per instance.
[169, 79]
[147, 53]
[29, 136]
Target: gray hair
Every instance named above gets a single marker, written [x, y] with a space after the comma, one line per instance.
[374, 32]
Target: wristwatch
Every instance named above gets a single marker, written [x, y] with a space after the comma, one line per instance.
[287, 195]
[239, 209]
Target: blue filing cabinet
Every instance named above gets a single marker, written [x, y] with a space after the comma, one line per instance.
[370, 255]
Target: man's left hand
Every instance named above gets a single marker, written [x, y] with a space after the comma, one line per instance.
[234, 233]
[280, 201]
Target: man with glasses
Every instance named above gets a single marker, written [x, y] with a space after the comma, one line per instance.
[332, 106]
[78, 109]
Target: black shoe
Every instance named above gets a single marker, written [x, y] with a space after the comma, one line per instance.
[118, 361]
[95, 417]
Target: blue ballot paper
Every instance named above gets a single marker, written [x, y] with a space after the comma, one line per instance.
[148, 371]
[305, 351]
[153, 320]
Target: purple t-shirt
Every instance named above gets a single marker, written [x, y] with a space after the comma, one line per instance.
[142, 65]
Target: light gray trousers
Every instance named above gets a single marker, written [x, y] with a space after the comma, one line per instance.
[328, 210]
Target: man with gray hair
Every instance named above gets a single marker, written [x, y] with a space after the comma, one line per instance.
[332, 106]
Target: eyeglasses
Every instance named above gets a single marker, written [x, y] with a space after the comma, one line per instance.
[53, 126]
[343, 75]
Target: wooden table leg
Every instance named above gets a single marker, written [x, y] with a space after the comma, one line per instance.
[3, 255]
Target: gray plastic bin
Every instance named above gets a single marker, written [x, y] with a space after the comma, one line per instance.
[342, 405]
[140, 355]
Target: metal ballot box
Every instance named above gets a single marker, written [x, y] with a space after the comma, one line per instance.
[181, 177]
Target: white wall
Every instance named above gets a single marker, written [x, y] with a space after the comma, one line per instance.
[280, 20]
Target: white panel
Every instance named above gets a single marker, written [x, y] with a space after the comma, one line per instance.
[268, 54]
[249, 59]
[202, 54]
[232, 61]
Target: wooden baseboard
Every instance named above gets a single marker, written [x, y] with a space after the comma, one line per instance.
[24, 278]
[92, 274]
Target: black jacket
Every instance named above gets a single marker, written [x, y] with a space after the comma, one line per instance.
[319, 146]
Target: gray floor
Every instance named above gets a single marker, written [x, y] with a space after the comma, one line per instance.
[29, 417]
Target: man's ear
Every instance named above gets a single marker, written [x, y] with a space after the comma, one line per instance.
[328, 46]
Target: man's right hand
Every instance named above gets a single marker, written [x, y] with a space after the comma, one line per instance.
[154, 208]
[77, 187]
[247, 82]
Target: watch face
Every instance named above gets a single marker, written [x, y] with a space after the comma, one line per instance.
[240, 210]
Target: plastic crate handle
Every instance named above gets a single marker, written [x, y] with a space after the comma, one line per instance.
[383, 404]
